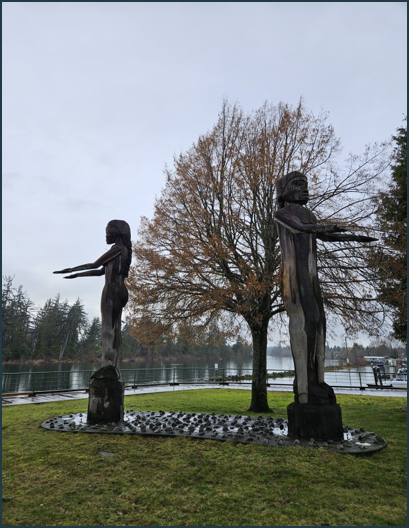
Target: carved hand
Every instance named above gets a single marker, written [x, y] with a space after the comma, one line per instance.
[363, 238]
[67, 270]
[333, 237]
[358, 238]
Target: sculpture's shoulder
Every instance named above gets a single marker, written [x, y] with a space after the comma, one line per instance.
[117, 255]
[116, 251]
[121, 261]
[302, 213]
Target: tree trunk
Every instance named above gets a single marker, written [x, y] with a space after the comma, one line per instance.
[259, 401]
[64, 343]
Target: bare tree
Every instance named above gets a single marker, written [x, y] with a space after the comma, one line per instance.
[211, 247]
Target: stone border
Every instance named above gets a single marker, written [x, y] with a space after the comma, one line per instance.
[243, 429]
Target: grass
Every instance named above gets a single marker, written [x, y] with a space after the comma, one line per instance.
[59, 479]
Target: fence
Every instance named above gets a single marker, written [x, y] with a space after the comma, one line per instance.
[53, 381]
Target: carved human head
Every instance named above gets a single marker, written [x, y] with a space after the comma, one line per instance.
[293, 188]
[117, 228]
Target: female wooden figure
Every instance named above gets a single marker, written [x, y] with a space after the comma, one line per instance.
[115, 266]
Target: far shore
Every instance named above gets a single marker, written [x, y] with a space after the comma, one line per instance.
[143, 359]
[138, 359]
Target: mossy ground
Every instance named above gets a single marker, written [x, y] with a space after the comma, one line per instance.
[59, 479]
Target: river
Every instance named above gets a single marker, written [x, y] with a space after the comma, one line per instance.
[273, 363]
[63, 375]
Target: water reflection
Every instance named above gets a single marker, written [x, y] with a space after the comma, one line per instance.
[76, 375]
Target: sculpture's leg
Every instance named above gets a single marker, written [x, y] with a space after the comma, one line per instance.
[108, 332]
[318, 416]
[106, 399]
[108, 352]
[304, 343]
[320, 353]
[117, 337]
[299, 346]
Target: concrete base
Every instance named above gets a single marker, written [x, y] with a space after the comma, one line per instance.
[320, 422]
[106, 399]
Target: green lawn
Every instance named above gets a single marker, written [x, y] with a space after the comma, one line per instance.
[59, 479]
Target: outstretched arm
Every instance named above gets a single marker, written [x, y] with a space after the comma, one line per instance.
[293, 223]
[336, 237]
[92, 273]
[102, 261]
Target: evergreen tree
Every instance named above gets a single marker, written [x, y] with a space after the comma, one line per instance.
[90, 342]
[48, 329]
[16, 321]
[57, 329]
[391, 254]
[75, 322]
[131, 347]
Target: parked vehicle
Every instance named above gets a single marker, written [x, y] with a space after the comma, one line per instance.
[400, 379]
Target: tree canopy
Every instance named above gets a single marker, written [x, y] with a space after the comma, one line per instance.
[17, 313]
[212, 249]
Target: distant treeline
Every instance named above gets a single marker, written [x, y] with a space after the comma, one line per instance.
[279, 351]
[62, 331]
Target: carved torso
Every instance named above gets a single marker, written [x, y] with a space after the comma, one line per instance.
[299, 258]
[115, 288]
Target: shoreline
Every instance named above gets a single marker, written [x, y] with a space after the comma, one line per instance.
[53, 361]
[138, 359]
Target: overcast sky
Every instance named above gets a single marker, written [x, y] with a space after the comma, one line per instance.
[98, 97]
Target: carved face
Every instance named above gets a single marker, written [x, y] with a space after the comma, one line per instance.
[296, 191]
[111, 234]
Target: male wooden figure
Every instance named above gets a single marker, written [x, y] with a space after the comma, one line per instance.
[106, 391]
[314, 412]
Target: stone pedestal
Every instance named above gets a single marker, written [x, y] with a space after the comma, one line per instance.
[106, 397]
[321, 422]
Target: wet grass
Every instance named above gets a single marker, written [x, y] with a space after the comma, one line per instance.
[60, 479]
